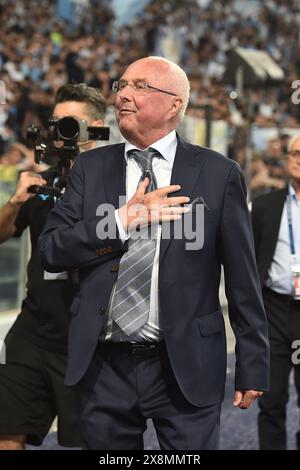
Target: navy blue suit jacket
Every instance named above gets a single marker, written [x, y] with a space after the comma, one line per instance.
[191, 318]
[266, 218]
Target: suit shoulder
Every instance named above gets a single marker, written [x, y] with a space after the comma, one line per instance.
[98, 155]
[216, 160]
[272, 197]
[209, 155]
[101, 152]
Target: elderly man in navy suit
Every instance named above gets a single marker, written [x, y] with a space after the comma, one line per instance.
[147, 336]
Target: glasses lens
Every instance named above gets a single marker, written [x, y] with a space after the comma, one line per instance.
[115, 87]
[294, 153]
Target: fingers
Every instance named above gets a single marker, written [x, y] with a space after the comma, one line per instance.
[173, 210]
[145, 208]
[168, 218]
[26, 180]
[162, 192]
[237, 398]
[38, 179]
[244, 399]
[146, 221]
[158, 197]
[140, 215]
[141, 190]
[175, 201]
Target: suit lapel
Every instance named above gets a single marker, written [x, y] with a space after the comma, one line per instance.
[186, 171]
[275, 214]
[115, 175]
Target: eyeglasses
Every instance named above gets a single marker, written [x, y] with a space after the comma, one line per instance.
[139, 87]
[294, 154]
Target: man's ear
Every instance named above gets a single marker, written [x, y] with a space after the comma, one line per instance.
[98, 123]
[176, 105]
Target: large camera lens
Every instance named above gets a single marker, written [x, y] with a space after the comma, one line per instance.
[68, 128]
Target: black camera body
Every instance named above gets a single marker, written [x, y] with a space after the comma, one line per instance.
[72, 129]
[60, 145]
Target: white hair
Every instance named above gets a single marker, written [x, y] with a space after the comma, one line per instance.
[292, 141]
[179, 82]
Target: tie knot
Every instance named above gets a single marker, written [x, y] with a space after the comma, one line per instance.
[144, 157]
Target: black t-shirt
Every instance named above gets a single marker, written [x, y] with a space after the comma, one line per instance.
[44, 317]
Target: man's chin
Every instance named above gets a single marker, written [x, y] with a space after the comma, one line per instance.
[125, 128]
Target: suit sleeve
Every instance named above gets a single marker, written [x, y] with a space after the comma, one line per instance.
[256, 225]
[245, 305]
[68, 241]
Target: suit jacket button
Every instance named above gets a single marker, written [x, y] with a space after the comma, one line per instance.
[102, 310]
[114, 268]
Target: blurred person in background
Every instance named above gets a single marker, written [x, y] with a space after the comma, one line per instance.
[276, 228]
[275, 158]
[32, 390]
[261, 180]
[21, 157]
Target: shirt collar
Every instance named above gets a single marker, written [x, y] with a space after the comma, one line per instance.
[292, 193]
[166, 146]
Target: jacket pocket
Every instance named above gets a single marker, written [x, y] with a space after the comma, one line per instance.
[211, 323]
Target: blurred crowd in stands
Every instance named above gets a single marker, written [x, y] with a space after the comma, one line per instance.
[40, 51]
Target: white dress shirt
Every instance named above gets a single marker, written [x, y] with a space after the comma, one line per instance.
[162, 168]
[280, 276]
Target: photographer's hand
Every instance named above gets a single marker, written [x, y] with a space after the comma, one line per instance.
[26, 180]
[8, 213]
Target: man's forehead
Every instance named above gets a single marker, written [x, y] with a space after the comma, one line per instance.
[70, 108]
[142, 69]
[296, 144]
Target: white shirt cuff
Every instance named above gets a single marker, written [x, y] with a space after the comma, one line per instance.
[123, 235]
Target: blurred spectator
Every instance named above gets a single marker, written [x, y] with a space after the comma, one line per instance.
[40, 51]
[19, 156]
[276, 229]
[261, 179]
[274, 158]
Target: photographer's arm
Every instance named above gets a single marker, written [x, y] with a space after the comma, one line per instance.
[69, 241]
[9, 212]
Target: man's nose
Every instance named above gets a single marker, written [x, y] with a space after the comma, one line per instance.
[126, 92]
[123, 97]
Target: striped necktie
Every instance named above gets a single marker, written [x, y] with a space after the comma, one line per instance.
[131, 301]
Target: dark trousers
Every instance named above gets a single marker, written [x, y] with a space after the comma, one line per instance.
[122, 389]
[32, 393]
[284, 327]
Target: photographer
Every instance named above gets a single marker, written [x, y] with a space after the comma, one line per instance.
[32, 390]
